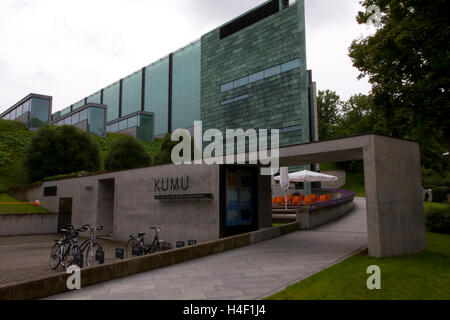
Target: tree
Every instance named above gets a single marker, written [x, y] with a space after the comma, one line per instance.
[61, 150]
[328, 108]
[358, 117]
[127, 153]
[165, 154]
[407, 62]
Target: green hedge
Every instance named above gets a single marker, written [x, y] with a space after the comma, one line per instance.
[438, 219]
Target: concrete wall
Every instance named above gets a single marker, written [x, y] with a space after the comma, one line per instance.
[340, 174]
[322, 216]
[126, 201]
[396, 223]
[26, 224]
[136, 209]
[27, 193]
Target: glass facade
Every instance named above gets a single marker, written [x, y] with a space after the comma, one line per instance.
[95, 98]
[186, 85]
[78, 105]
[40, 110]
[97, 121]
[95, 117]
[18, 111]
[111, 96]
[157, 93]
[145, 127]
[132, 93]
[142, 122]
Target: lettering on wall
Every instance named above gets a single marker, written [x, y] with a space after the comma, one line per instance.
[172, 184]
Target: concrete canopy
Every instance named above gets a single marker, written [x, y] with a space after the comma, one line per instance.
[395, 218]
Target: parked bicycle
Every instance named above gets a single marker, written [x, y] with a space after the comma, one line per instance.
[136, 245]
[68, 251]
[57, 250]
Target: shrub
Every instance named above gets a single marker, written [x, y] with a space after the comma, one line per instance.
[127, 153]
[61, 150]
[438, 220]
[164, 156]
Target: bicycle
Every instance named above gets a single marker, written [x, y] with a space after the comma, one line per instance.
[64, 250]
[57, 250]
[68, 251]
[136, 246]
[94, 251]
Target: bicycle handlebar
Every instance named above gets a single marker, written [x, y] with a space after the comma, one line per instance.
[156, 228]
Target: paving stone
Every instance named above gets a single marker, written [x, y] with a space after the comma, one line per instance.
[267, 267]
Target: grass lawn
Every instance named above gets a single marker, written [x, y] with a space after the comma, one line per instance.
[17, 208]
[424, 276]
[354, 182]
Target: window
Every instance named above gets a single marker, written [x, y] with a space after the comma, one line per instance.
[227, 86]
[97, 121]
[249, 19]
[123, 125]
[290, 65]
[83, 114]
[272, 71]
[115, 127]
[95, 98]
[241, 82]
[19, 111]
[50, 191]
[132, 93]
[111, 99]
[236, 99]
[40, 109]
[76, 118]
[186, 86]
[26, 106]
[146, 127]
[157, 93]
[132, 122]
[78, 105]
[67, 121]
[256, 77]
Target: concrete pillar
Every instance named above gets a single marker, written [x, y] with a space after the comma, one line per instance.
[395, 217]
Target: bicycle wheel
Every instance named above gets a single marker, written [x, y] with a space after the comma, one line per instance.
[130, 244]
[55, 256]
[69, 256]
[91, 254]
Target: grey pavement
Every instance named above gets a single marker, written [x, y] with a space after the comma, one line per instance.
[27, 257]
[251, 272]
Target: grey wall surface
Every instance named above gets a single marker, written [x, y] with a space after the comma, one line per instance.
[396, 223]
[323, 216]
[341, 181]
[28, 193]
[124, 202]
[26, 224]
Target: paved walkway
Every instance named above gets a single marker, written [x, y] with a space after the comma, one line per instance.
[250, 272]
[27, 257]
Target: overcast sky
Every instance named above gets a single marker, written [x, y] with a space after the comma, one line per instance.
[69, 49]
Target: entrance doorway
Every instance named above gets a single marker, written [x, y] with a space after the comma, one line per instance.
[64, 213]
[239, 200]
[105, 215]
